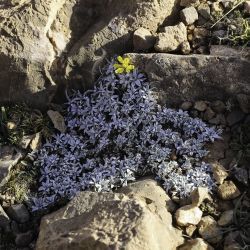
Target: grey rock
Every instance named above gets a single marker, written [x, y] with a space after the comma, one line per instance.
[200, 106]
[9, 157]
[241, 174]
[209, 114]
[172, 38]
[196, 244]
[4, 219]
[186, 105]
[24, 239]
[187, 3]
[107, 221]
[185, 48]
[143, 39]
[189, 15]
[218, 106]
[57, 120]
[235, 117]
[244, 102]
[19, 213]
[179, 78]
[46, 43]
[219, 119]
[223, 50]
[204, 11]
[226, 218]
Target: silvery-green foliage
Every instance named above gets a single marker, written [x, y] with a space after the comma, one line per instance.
[116, 133]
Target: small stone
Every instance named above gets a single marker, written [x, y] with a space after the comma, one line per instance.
[199, 195]
[187, 3]
[216, 8]
[185, 48]
[216, 151]
[186, 106]
[36, 141]
[209, 230]
[200, 106]
[4, 219]
[196, 244]
[26, 140]
[209, 114]
[172, 38]
[235, 117]
[200, 33]
[190, 230]
[224, 205]
[19, 213]
[218, 106]
[247, 7]
[219, 119]
[219, 172]
[143, 39]
[11, 125]
[57, 120]
[244, 102]
[204, 11]
[226, 218]
[24, 239]
[228, 191]
[241, 175]
[188, 215]
[189, 15]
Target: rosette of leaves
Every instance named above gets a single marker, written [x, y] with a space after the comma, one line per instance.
[117, 132]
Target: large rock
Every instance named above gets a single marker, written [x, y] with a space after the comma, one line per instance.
[44, 42]
[195, 77]
[106, 221]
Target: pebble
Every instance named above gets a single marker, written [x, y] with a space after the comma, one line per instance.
[209, 230]
[187, 3]
[218, 119]
[190, 230]
[196, 244]
[228, 191]
[219, 172]
[24, 239]
[247, 7]
[200, 106]
[143, 39]
[218, 106]
[18, 213]
[186, 106]
[204, 11]
[235, 117]
[209, 114]
[199, 195]
[188, 215]
[189, 15]
[226, 218]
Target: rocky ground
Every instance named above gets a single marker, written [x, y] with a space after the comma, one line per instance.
[196, 55]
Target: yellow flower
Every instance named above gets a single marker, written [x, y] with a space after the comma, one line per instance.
[124, 65]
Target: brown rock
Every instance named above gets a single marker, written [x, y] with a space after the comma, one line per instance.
[209, 114]
[190, 230]
[188, 215]
[199, 195]
[209, 230]
[186, 105]
[218, 106]
[200, 106]
[143, 39]
[196, 244]
[226, 218]
[57, 120]
[228, 191]
[219, 172]
[106, 221]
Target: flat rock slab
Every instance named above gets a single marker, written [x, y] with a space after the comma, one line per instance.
[178, 78]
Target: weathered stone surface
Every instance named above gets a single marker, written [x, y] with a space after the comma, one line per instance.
[4, 219]
[188, 215]
[172, 38]
[24, 239]
[189, 15]
[9, 157]
[196, 244]
[219, 172]
[199, 195]
[226, 218]
[143, 40]
[244, 102]
[106, 221]
[228, 191]
[148, 190]
[200, 106]
[209, 230]
[44, 42]
[190, 230]
[195, 77]
[18, 213]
